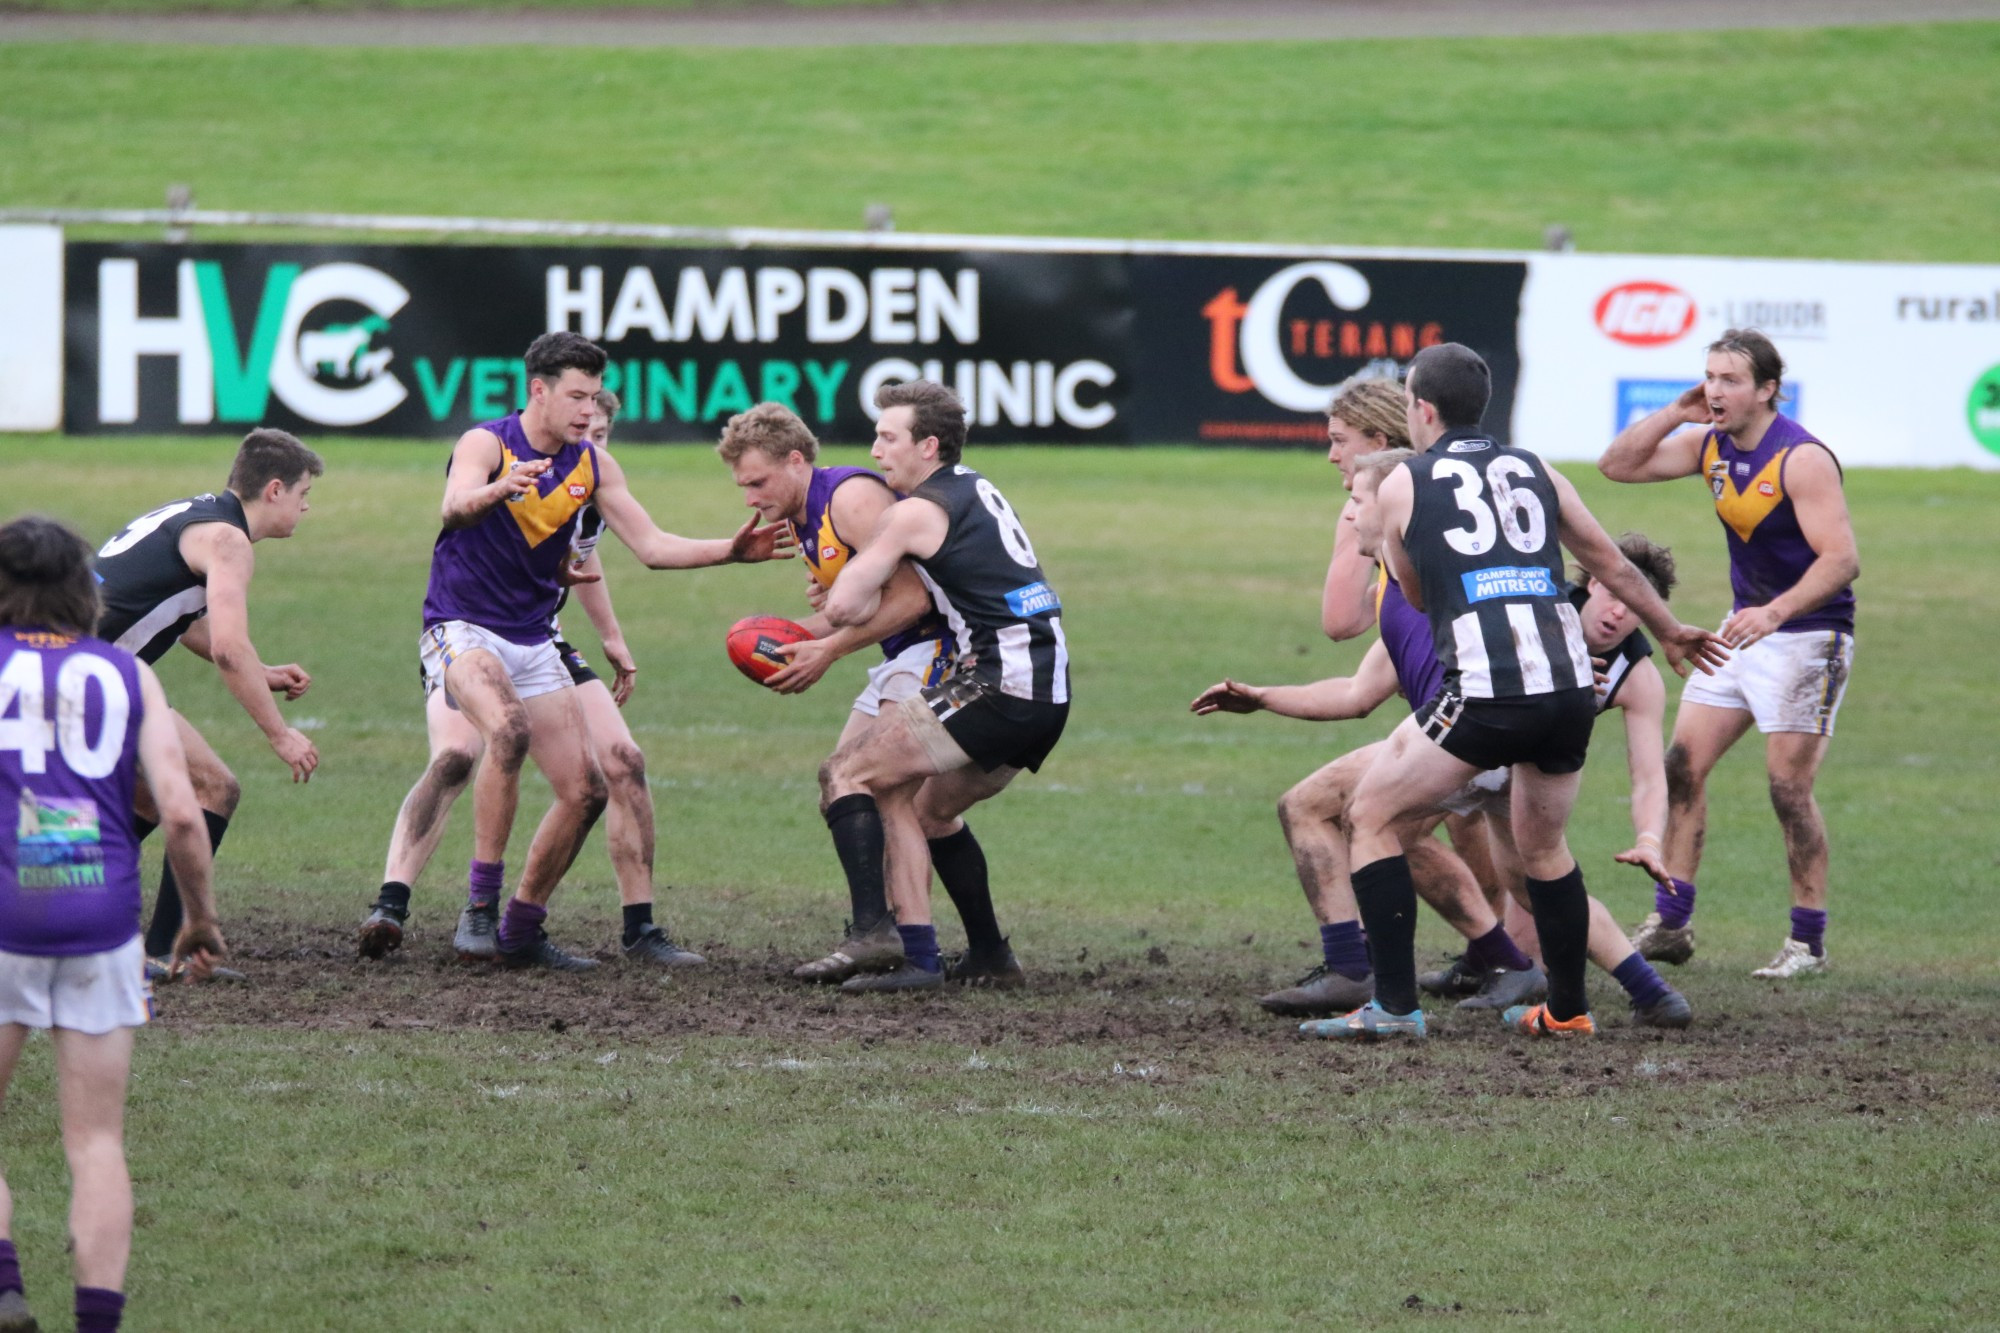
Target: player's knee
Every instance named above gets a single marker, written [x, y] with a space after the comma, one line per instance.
[593, 792]
[452, 768]
[836, 778]
[1792, 798]
[217, 789]
[624, 765]
[508, 745]
[1683, 783]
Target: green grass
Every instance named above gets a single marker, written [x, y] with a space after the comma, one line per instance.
[1827, 1150]
[1852, 143]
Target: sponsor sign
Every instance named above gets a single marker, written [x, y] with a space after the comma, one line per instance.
[1079, 347]
[31, 315]
[1890, 351]
[1507, 581]
[1982, 409]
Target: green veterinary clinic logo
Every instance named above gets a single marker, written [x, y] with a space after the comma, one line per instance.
[1982, 410]
[338, 355]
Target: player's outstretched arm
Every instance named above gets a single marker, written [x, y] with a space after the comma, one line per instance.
[912, 528]
[902, 604]
[628, 519]
[471, 489]
[1643, 699]
[1650, 449]
[164, 764]
[1346, 603]
[1334, 700]
[222, 555]
[1578, 530]
[1812, 480]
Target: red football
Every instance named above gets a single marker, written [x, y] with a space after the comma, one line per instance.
[753, 640]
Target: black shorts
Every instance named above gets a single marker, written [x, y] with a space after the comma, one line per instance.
[996, 730]
[1550, 731]
[572, 660]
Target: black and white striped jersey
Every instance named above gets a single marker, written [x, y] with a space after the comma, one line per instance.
[988, 585]
[1482, 535]
[150, 595]
[1619, 660]
[582, 545]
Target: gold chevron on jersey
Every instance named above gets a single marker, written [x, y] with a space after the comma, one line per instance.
[540, 515]
[826, 554]
[1744, 507]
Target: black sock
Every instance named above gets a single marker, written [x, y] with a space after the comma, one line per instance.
[166, 922]
[395, 896]
[1388, 899]
[638, 920]
[856, 826]
[960, 863]
[1562, 918]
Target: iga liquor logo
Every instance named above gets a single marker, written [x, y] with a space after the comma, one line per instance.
[1645, 314]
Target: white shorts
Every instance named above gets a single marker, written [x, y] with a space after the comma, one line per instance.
[1486, 793]
[533, 668]
[91, 993]
[1786, 682]
[901, 677]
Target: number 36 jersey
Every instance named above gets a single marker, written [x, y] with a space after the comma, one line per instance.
[989, 587]
[1482, 535]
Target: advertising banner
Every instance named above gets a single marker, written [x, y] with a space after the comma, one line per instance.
[1043, 347]
[1891, 364]
[31, 316]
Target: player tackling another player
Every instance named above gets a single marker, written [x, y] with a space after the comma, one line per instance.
[900, 787]
[1792, 563]
[1470, 531]
[514, 493]
[181, 574]
[88, 723]
[455, 749]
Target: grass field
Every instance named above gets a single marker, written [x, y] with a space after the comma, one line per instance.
[1859, 143]
[1132, 1143]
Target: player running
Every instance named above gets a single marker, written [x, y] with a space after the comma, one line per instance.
[1792, 565]
[1518, 689]
[181, 574]
[456, 747]
[89, 724]
[901, 786]
[833, 512]
[514, 493]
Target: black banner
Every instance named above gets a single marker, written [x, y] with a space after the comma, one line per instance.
[1060, 348]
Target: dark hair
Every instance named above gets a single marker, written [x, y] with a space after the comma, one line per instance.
[1653, 560]
[1454, 379]
[934, 410]
[608, 403]
[1766, 366]
[551, 354]
[45, 577]
[267, 455]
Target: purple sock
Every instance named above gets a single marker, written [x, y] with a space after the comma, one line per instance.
[1809, 929]
[519, 924]
[10, 1267]
[1640, 981]
[483, 882]
[1345, 948]
[920, 946]
[98, 1310]
[1674, 901]
[1496, 948]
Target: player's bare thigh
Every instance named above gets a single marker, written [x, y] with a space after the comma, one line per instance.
[215, 787]
[882, 757]
[1411, 775]
[1538, 812]
[611, 740]
[448, 729]
[485, 694]
[1703, 733]
[946, 796]
[1324, 793]
[560, 741]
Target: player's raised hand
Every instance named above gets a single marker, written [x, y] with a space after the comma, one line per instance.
[1693, 406]
[520, 479]
[771, 541]
[809, 660]
[299, 753]
[289, 680]
[1228, 696]
[197, 949]
[1688, 646]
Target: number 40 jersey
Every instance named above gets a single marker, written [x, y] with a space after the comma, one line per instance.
[1482, 535]
[989, 587]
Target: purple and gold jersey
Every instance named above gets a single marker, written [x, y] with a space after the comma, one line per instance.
[1406, 633]
[827, 553]
[503, 572]
[1768, 553]
[69, 867]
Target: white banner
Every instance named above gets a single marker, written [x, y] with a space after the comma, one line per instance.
[1893, 365]
[31, 328]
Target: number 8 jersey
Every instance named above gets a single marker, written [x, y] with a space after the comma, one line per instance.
[1482, 535]
[988, 586]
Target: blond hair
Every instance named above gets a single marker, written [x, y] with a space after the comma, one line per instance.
[772, 429]
[1373, 406]
[1379, 464]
